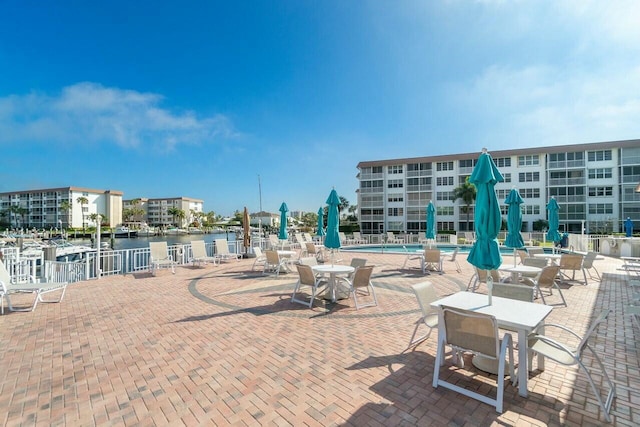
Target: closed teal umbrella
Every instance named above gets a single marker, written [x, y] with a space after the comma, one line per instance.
[283, 222]
[485, 252]
[514, 220]
[431, 221]
[320, 231]
[554, 221]
[332, 239]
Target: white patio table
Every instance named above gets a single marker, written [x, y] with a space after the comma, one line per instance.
[333, 270]
[521, 316]
[516, 270]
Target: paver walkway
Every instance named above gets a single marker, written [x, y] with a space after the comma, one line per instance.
[223, 345]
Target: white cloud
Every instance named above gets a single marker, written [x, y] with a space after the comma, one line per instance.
[89, 113]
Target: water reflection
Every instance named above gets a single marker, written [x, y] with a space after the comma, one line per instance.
[143, 242]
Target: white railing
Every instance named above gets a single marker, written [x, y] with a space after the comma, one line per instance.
[112, 262]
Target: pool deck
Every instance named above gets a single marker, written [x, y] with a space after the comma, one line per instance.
[222, 345]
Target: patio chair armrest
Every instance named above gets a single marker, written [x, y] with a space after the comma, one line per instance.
[555, 325]
[551, 342]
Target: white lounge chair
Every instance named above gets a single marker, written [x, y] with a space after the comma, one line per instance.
[199, 253]
[39, 289]
[260, 257]
[160, 257]
[391, 238]
[222, 250]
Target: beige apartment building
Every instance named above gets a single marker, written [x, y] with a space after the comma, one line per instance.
[60, 207]
[157, 211]
[593, 183]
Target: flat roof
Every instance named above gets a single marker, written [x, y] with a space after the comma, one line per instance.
[631, 143]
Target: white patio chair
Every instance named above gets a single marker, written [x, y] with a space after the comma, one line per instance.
[587, 265]
[307, 278]
[565, 355]
[425, 294]
[274, 262]
[546, 279]
[39, 289]
[199, 254]
[453, 259]
[222, 250]
[391, 238]
[316, 251]
[260, 257]
[412, 256]
[160, 257]
[570, 263]
[480, 276]
[477, 333]
[361, 281]
[432, 261]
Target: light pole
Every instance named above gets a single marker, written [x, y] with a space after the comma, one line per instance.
[60, 224]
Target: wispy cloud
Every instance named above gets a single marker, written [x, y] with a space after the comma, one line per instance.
[89, 113]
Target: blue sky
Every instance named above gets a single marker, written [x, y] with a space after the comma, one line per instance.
[199, 98]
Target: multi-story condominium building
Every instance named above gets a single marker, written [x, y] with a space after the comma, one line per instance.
[160, 212]
[60, 207]
[593, 183]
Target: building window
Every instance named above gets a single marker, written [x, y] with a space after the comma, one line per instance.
[502, 194]
[507, 177]
[600, 191]
[600, 173]
[444, 210]
[395, 198]
[444, 195]
[415, 167]
[394, 169]
[394, 183]
[530, 160]
[599, 156]
[530, 193]
[531, 209]
[503, 162]
[468, 163]
[444, 166]
[445, 226]
[395, 211]
[529, 176]
[444, 180]
[601, 208]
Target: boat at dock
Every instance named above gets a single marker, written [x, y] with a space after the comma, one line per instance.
[124, 231]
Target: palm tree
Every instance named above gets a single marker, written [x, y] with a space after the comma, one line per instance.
[83, 201]
[344, 204]
[467, 193]
[65, 207]
[175, 213]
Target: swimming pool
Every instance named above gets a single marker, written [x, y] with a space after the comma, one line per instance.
[403, 249]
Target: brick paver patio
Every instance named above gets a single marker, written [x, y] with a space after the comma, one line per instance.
[223, 345]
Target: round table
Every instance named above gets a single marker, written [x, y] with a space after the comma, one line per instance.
[333, 270]
[519, 269]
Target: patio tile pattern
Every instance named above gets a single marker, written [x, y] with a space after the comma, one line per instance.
[223, 345]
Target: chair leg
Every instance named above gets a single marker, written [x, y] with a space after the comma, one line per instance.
[606, 406]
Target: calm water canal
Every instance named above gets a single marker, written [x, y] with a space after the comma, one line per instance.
[143, 242]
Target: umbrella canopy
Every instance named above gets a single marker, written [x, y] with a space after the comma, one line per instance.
[554, 221]
[485, 253]
[628, 227]
[282, 235]
[332, 240]
[431, 221]
[514, 220]
[246, 229]
[320, 223]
